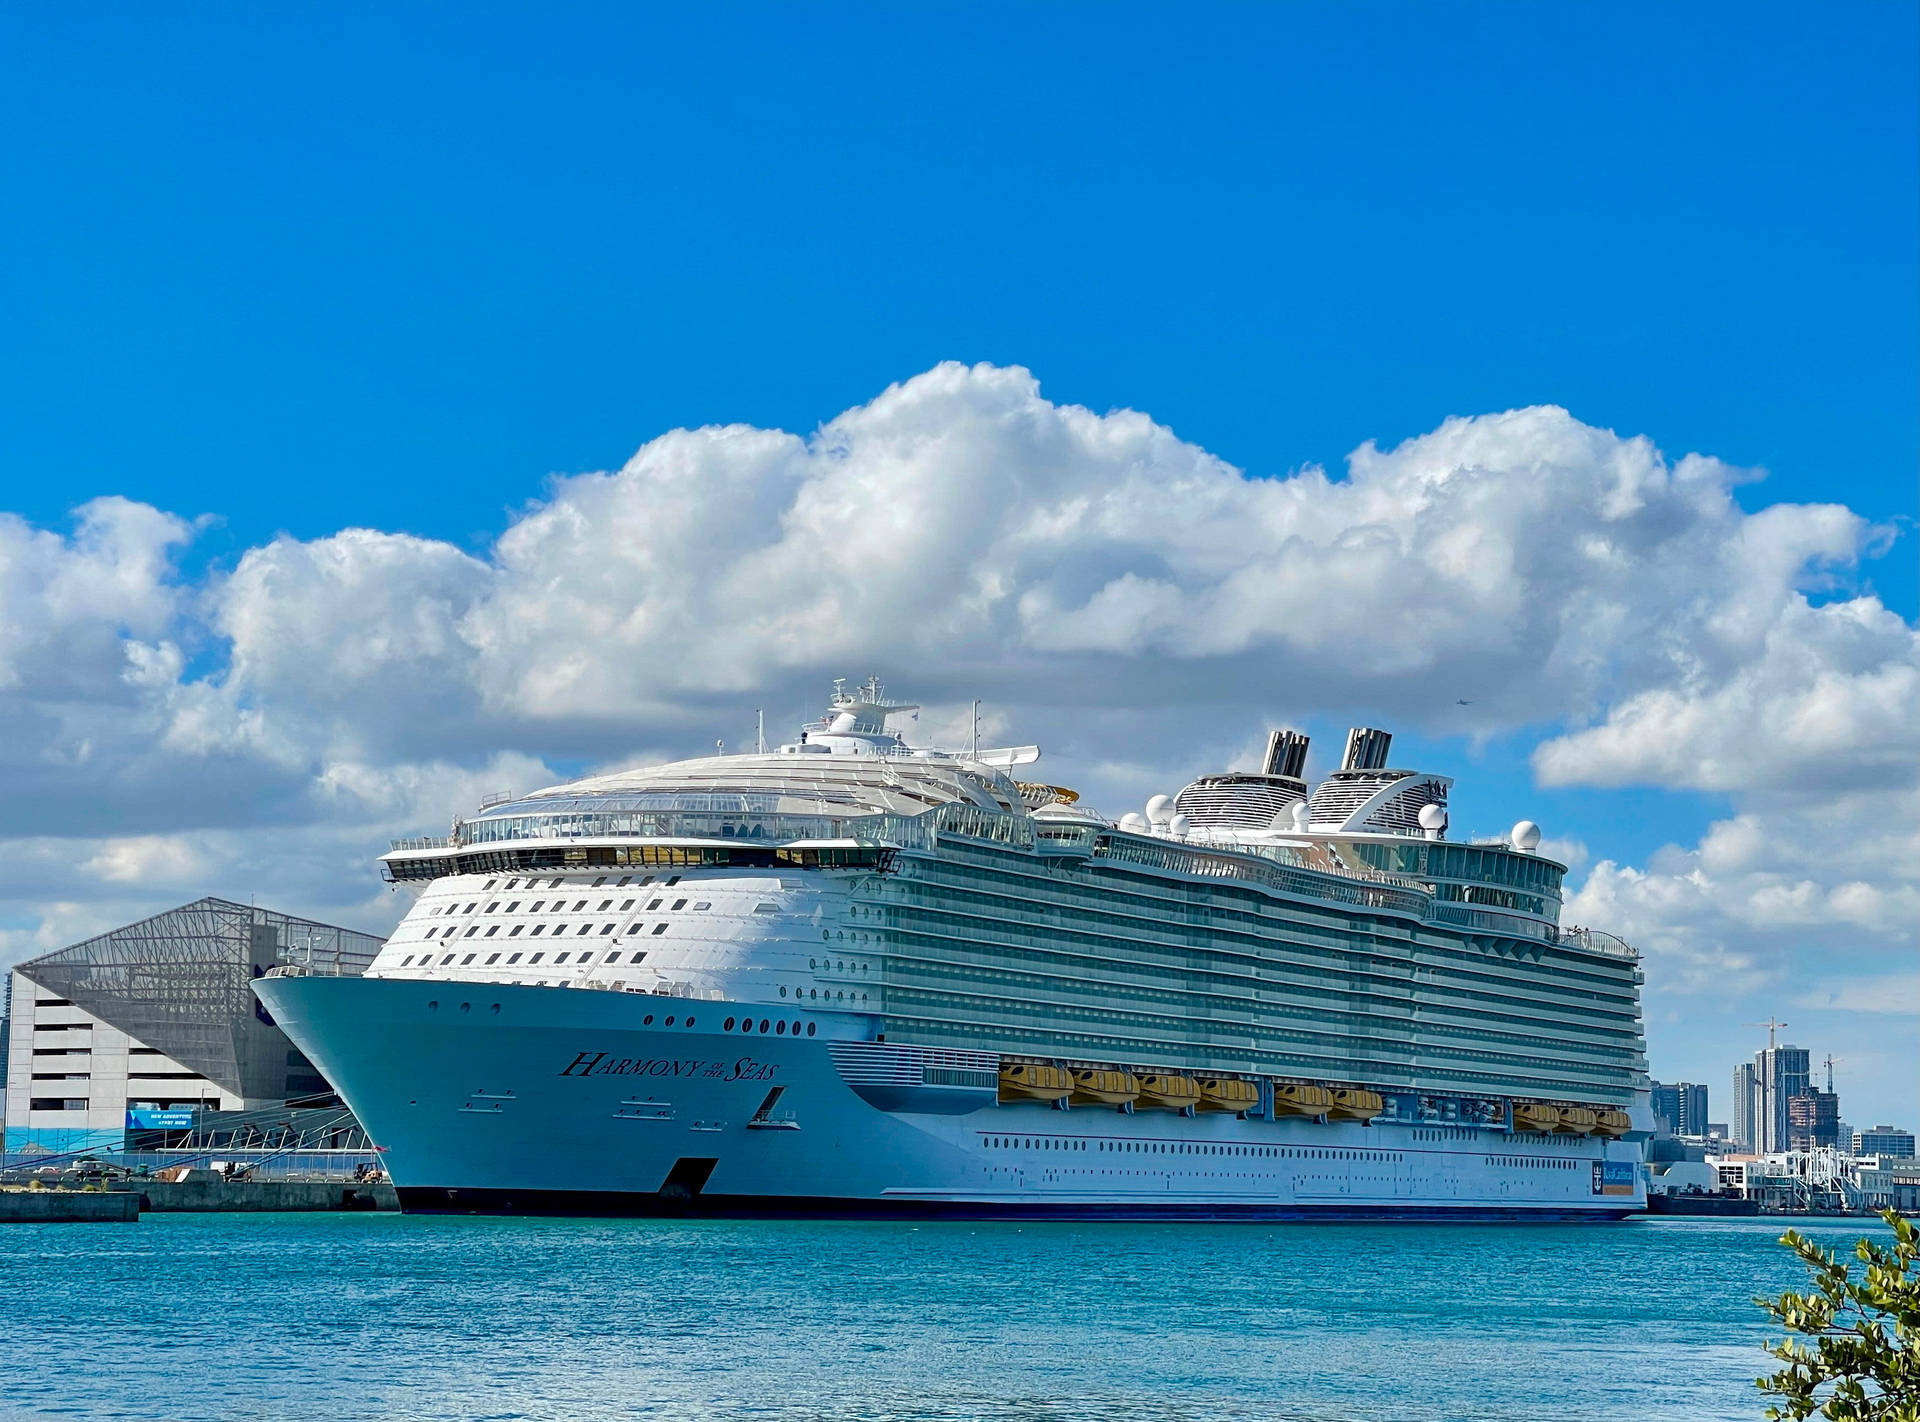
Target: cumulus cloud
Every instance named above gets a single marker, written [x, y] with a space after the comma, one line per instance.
[1131, 600]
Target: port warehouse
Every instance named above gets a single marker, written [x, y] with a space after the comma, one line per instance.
[145, 1044]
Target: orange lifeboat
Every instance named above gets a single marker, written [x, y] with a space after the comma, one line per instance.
[1295, 1098]
[1355, 1104]
[1577, 1121]
[1228, 1093]
[1611, 1123]
[1103, 1086]
[1532, 1116]
[1034, 1081]
[1165, 1092]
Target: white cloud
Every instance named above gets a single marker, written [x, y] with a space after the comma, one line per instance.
[1133, 602]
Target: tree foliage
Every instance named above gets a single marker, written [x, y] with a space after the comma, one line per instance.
[1864, 1364]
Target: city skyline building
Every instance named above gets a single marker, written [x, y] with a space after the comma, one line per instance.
[1780, 1073]
[1886, 1141]
[1813, 1120]
[1683, 1105]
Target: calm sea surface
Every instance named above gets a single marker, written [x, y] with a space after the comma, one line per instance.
[348, 1316]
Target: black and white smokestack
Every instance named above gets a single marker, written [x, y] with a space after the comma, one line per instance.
[1367, 749]
[1286, 754]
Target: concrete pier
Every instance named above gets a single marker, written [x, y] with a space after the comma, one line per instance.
[67, 1207]
[162, 1196]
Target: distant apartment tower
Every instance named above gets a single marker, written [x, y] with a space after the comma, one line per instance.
[1813, 1120]
[1884, 1140]
[1779, 1074]
[1744, 1127]
[1683, 1104]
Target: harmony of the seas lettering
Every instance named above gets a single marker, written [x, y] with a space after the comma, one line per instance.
[606, 1064]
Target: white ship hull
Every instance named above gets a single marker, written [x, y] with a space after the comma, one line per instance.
[499, 1098]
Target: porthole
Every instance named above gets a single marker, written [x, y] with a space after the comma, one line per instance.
[647, 1021]
[779, 1029]
[433, 1006]
[727, 1026]
[796, 1029]
[764, 1024]
[689, 1022]
[669, 1022]
[466, 1007]
[810, 1028]
[783, 992]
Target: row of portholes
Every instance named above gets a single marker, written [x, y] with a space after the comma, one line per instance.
[780, 1029]
[434, 1006]
[838, 965]
[647, 1021]
[813, 995]
[830, 935]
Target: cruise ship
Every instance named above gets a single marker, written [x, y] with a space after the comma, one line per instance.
[850, 976]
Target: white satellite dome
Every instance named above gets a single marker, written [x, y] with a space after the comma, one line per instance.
[1525, 837]
[1433, 817]
[1299, 814]
[1178, 825]
[1159, 808]
[1134, 821]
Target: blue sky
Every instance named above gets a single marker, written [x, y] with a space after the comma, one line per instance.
[301, 270]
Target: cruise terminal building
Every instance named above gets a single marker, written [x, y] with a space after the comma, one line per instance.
[122, 1039]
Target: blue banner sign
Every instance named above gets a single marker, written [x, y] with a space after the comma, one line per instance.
[139, 1119]
[1613, 1177]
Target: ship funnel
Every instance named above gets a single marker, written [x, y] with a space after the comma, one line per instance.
[1366, 749]
[1286, 754]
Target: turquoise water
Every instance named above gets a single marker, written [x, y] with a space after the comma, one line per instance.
[383, 1316]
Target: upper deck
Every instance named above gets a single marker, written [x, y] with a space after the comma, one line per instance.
[850, 793]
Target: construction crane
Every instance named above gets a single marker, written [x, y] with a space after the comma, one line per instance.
[1828, 1064]
[1771, 1027]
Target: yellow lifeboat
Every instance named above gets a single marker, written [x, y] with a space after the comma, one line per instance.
[1034, 1081]
[1228, 1093]
[1530, 1116]
[1294, 1098]
[1355, 1104]
[1097, 1086]
[1611, 1123]
[1167, 1093]
[1577, 1121]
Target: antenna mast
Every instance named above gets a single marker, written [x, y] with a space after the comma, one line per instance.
[760, 737]
[973, 745]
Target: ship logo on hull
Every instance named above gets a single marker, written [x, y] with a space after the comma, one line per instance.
[606, 1064]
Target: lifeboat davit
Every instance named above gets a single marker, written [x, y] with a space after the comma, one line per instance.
[1167, 1093]
[1098, 1086]
[1293, 1098]
[1577, 1121]
[1228, 1093]
[1529, 1116]
[1355, 1104]
[1034, 1081]
[1611, 1123]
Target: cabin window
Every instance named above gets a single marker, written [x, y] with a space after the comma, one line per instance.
[658, 929]
[516, 931]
